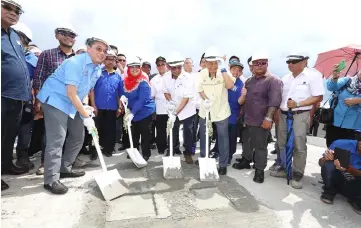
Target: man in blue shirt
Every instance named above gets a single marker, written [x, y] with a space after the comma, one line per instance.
[26, 124]
[15, 86]
[343, 180]
[106, 103]
[61, 99]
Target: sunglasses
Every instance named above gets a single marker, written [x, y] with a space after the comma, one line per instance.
[68, 34]
[176, 68]
[293, 61]
[159, 65]
[260, 63]
[121, 60]
[10, 8]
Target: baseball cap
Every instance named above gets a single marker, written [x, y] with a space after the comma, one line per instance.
[160, 58]
[234, 63]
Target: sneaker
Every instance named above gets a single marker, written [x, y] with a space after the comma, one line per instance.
[327, 198]
[79, 163]
[40, 171]
[280, 173]
[296, 184]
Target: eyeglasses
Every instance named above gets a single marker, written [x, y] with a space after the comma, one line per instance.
[293, 61]
[110, 59]
[176, 68]
[10, 8]
[259, 63]
[68, 34]
[99, 49]
[161, 64]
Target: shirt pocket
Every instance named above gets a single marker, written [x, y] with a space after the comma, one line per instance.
[302, 90]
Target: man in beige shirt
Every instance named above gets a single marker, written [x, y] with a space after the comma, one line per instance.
[213, 88]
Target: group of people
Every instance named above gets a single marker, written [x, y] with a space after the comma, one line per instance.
[75, 91]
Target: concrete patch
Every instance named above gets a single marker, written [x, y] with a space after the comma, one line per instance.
[161, 206]
[130, 207]
[209, 199]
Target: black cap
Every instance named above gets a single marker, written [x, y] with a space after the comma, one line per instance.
[236, 63]
[160, 58]
[202, 58]
[234, 57]
[147, 63]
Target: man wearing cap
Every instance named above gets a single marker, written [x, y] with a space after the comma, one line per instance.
[302, 88]
[49, 60]
[179, 89]
[264, 95]
[61, 99]
[213, 88]
[121, 63]
[160, 104]
[24, 137]
[106, 103]
[15, 86]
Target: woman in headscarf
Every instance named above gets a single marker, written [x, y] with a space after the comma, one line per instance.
[347, 113]
[137, 90]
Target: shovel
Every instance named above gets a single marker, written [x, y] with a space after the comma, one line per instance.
[111, 184]
[207, 166]
[133, 153]
[171, 165]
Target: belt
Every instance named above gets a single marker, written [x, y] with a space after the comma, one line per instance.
[295, 112]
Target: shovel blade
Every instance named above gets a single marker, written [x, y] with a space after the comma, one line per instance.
[137, 158]
[208, 169]
[111, 184]
[172, 168]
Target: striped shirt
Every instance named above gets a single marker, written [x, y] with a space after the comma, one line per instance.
[48, 62]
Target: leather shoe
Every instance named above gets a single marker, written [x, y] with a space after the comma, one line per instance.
[4, 185]
[72, 174]
[188, 159]
[15, 170]
[258, 176]
[56, 188]
[222, 170]
[243, 164]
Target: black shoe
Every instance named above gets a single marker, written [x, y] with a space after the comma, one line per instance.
[4, 185]
[160, 151]
[243, 164]
[128, 157]
[15, 170]
[196, 162]
[273, 152]
[107, 154]
[122, 147]
[56, 188]
[214, 155]
[222, 170]
[72, 174]
[327, 198]
[94, 156]
[23, 160]
[146, 158]
[153, 146]
[178, 152]
[258, 176]
[84, 151]
[356, 206]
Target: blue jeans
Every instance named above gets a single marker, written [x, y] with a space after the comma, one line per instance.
[222, 140]
[187, 135]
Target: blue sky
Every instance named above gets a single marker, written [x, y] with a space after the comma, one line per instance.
[150, 28]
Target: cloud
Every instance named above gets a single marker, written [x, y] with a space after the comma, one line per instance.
[237, 27]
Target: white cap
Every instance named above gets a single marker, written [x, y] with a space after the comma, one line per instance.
[259, 55]
[65, 28]
[212, 54]
[175, 59]
[133, 61]
[93, 39]
[14, 3]
[296, 55]
[110, 52]
[21, 27]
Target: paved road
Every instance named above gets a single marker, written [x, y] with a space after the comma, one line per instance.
[234, 201]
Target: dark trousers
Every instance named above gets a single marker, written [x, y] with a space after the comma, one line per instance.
[335, 182]
[142, 129]
[106, 125]
[314, 127]
[26, 125]
[125, 136]
[255, 141]
[161, 126]
[195, 127]
[334, 133]
[38, 141]
[232, 135]
[240, 130]
[153, 125]
[187, 135]
[11, 113]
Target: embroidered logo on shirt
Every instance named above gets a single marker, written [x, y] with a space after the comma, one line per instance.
[234, 89]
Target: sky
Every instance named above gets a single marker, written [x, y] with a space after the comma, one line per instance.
[152, 28]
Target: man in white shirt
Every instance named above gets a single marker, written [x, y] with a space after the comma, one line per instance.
[302, 88]
[160, 104]
[179, 89]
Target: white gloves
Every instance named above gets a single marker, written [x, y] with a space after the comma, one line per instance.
[172, 119]
[207, 105]
[222, 64]
[90, 110]
[171, 107]
[89, 123]
[130, 118]
[124, 100]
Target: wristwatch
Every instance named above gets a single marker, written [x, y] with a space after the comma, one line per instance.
[298, 105]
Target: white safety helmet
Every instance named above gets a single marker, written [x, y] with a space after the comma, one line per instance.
[133, 61]
[175, 59]
[14, 3]
[212, 54]
[111, 53]
[25, 30]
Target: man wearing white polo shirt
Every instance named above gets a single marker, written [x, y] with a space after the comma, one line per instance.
[302, 88]
[179, 89]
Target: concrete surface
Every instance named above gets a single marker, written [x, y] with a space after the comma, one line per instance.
[152, 201]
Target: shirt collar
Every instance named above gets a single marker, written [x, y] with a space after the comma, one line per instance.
[61, 51]
[111, 72]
